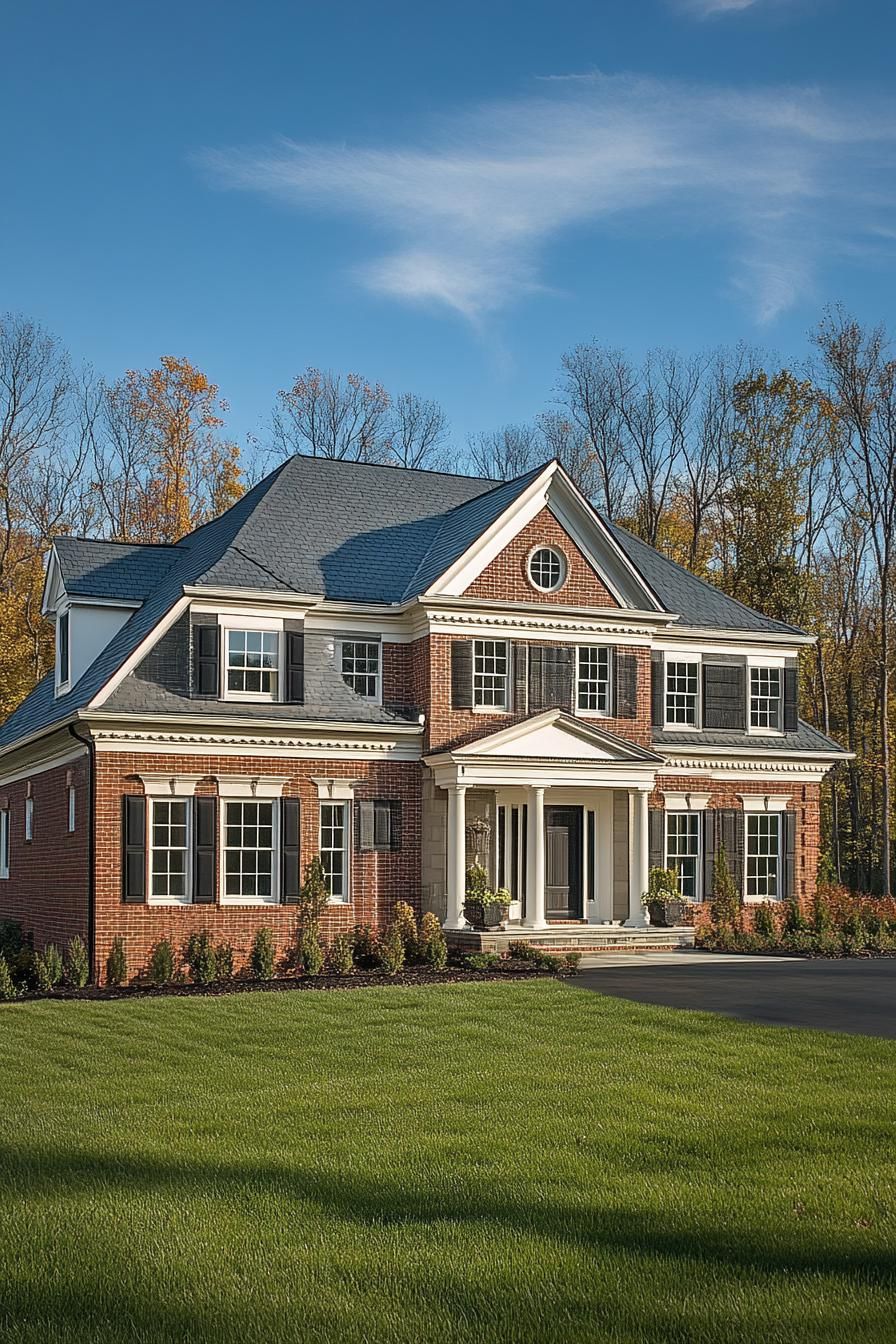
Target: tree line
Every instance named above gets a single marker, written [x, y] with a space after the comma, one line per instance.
[778, 484]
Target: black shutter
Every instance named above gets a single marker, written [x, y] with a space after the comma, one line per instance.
[557, 675]
[206, 655]
[520, 677]
[290, 846]
[295, 667]
[462, 674]
[656, 835]
[709, 852]
[791, 696]
[205, 834]
[536, 689]
[626, 685]
[788, 849]
[133, 849]
[394, 823]
[725, 695]
[365, 824]
[657, 690]
[730, 833]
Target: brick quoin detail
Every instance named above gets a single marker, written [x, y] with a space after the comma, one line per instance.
[506, 579]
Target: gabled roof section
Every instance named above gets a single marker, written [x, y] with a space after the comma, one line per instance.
[111, 569]
[555, 735]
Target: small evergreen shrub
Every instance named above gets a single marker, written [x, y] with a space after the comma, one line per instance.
[432, 947]
[48, 965]
[77, 963]
[391, 950]
[482, 961]
[161, 963]
[8, 990]
[724, 906]
[545, 961]
[822, 918]
[200, 958]
[520, 950]
[315, 894]
[571, 962]
[341, 955]
[365, 946]
[117, 964]
[23, 968]
[765, 926]
[261, 958]
[406, 922]
[12, 939]
[311, 954]
[224, 961]
[794, 919]
[855, 934]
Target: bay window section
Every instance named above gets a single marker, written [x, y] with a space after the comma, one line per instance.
[249, 869]
[253, 660]
[169, 853]
[682, 683]
[763, 854]
[361, 667]
[491, 674]
[593, 679]
[683, 851]
[765, 699]
[334, 848]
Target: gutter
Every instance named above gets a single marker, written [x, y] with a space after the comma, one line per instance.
[89, 743]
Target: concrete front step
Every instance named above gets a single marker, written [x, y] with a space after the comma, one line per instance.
[585, 938]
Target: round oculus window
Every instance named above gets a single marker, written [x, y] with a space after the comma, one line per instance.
[547, 569]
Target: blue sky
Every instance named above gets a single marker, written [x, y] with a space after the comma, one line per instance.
[443, 198]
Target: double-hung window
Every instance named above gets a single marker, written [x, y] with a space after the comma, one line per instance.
[593, 679]
[253, 660]
[169, 870]
[765, 699]
[361, 667]
[683, 851]
[249, 854]
[4, 843]
[334, 847]
[763, 845]
[682, 690]
[491, 674]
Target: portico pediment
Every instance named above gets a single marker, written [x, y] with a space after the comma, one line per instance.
[556, 736]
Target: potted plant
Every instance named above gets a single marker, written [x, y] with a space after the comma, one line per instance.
[484, 908]
[663, 898]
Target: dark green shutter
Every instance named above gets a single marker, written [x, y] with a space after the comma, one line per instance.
[133, 849]
[791, 696]
[462, 674]
[730, 833]
[206, 657]
[657, 690]
[290, 847]
[520, 677]
[295, 667]
[708, 840]
[788, 849]
[365, 824]
[626, 685]
[536, 688]
[725, 695]
[394, 806]
[656, 837]
[557, 677]
[205, 835]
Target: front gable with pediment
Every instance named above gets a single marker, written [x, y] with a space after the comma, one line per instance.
[506, 578]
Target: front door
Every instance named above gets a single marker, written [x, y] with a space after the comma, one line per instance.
[563, 862]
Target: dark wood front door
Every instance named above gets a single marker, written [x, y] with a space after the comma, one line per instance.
[563, 862]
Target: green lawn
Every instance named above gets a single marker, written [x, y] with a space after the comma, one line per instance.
[471, 1162]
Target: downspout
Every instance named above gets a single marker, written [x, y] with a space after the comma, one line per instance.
[91, 851]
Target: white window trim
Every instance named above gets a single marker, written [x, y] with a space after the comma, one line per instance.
[29, 820]
[63, 684]
[4, 843]
[595, 713]
[699, 856]
[345, 803]
[72, 810]
[253, 902]
[377, 698]
[779, 878]
[764, 802]
[673, 656]
[494, 709]
[170, 797]
[778, 664]
[686, 802]
[267, 625]
[564, 567]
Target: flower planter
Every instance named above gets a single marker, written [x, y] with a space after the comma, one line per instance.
[485, 915]
[666, 914]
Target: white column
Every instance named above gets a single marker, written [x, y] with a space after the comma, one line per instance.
[457, 854]
[535, 862]
[638, 859]
[605, 855]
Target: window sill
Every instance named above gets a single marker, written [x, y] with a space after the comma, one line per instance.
[168, 900]
[490, 709]
[248, 901]
[762, 900]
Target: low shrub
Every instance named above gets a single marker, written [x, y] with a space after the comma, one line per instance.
[161, 963]
[117, 964]
[520, 950]
[432, 947]
[571, 962]
[224, 961]
[391, 950]
[48, 966]
[200, 958]
[482, 961]
[341, 955]
[12, 939]
[799, 940]
[765, 926]
[23, 968]
[405, 921]
[261, 958]
[77, 963]
[311, 954]
[794, 919]
[545, 961]
[365, 946]
[8, 990]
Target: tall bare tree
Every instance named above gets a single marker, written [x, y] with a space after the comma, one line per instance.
[330, 415]
[416, 432]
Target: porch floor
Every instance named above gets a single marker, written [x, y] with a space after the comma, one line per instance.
[573, 938]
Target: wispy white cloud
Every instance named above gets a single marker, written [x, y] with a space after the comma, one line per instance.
[782, 177]
[706, 9]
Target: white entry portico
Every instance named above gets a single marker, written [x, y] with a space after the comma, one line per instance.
[536, 771]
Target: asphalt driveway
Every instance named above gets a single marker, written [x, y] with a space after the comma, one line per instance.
[853, 996]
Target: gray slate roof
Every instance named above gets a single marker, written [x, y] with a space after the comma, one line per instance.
[344, 530]
[806, 738]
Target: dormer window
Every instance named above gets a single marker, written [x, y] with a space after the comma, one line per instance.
[765, 699]
[253, 661]
[63, 650]
[360, 660]
[547, 569]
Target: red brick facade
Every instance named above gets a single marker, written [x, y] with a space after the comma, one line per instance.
[506, 579]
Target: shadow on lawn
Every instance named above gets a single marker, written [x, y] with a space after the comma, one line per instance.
[369, 1201]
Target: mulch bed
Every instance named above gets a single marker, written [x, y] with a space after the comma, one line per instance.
[868, 954]
[357, 980]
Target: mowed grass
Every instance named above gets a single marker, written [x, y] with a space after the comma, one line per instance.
[510, 1162]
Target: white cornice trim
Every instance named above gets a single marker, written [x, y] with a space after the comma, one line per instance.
[287, 747]
[279, 596]
[605, 628]
[705, 634]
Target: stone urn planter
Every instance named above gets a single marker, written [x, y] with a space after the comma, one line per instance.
[485, 915]
[666, 914]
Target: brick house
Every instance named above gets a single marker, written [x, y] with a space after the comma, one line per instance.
[400, 671]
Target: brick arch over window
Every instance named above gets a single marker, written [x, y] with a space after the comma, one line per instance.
[506, 578]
